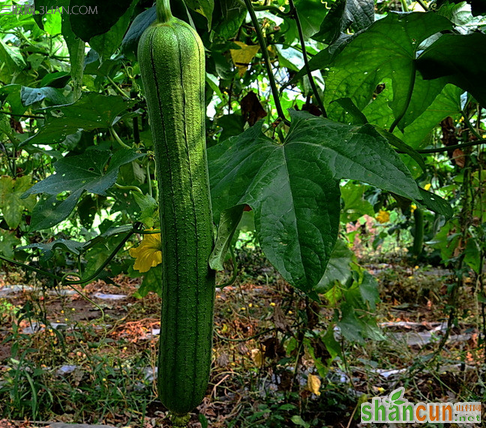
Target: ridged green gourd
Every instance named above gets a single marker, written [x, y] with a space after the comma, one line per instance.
[172, 65]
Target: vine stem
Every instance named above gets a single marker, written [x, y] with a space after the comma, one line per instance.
[115, 135]
[275, 10]
[295, 15]
[28, 116]
[266, 59]
[455, 146]
[471, 127]
[134, 188]
[57, 278]
[116, 87]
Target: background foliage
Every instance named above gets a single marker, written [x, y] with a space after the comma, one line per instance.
[319, 117]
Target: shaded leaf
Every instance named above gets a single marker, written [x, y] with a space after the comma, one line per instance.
[76, 174]
[138, 26]
[58, 79]
[86, 172]
[73, 247]
[11, 60]
[8, 241]
[357, 14]
[50, 211]
[228, 223]
[87, 209]
[204, 7]
[11, 202]
[350, 325]
[369, 290]
[338, 268]
[90, 112]
[232, 124]
[436, 203]
[99, 16]
[107, 43]
[251, 108]
[311, 14]
[231, 16]
[30, 96]
[460, 59]
[355, 205]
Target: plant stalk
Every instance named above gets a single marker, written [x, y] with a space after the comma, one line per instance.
[266, 58]
[295, 15]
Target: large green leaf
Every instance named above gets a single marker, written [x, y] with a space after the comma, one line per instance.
[461, 59]
[90, 112]
[354, 152]
[296, 202]
[293, 187]
[76, 174]
[387, 49]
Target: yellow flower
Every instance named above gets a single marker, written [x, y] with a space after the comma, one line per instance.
[413, 207]
[383, 216]
[427, 186]
[148, 254]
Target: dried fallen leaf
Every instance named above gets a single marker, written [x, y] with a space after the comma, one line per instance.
[257, 357]
[314, 384]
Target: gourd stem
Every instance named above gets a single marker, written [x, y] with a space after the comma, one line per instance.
[164, 13]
